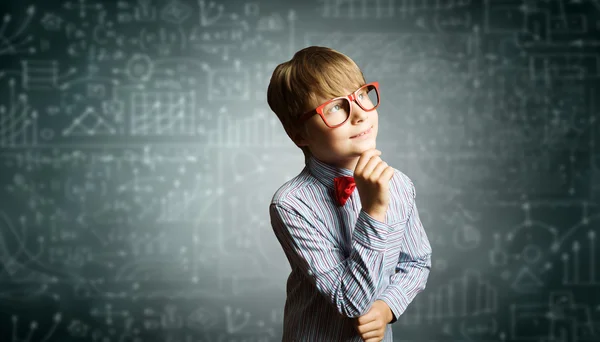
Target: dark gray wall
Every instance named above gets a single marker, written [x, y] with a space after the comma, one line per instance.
[138, 157]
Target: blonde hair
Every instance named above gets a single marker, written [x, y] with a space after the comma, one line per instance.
[297, 84]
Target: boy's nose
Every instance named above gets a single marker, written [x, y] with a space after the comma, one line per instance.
[357, 112]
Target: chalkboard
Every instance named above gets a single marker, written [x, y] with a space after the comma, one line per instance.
[138, 158]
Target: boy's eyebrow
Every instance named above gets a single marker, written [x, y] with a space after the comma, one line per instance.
[322, 98]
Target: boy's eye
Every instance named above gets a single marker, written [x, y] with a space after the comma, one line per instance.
[333, 109]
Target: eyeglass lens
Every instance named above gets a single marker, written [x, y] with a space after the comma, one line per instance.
[338, 111]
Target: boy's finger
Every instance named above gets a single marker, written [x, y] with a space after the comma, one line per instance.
[366, 318]
[364, 159]
[371, 326]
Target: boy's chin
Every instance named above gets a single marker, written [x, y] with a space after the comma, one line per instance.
[367, 144]
[357, 152]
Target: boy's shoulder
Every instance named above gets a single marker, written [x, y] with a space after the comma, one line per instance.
[289, 191]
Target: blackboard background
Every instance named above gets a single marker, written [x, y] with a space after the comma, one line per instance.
[138, 157]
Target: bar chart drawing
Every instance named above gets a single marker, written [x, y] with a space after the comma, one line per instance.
[469, 295]
[162, 113]
[18, 125]
[579, 264]
[258, 130]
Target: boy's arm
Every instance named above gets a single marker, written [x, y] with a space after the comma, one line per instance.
[412, 270]
[349, 283]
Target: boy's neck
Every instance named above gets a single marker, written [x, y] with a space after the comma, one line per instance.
[348, 164]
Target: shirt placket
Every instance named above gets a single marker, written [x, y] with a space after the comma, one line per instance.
[355, 208]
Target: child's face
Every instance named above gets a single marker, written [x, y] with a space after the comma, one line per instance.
[335, 145]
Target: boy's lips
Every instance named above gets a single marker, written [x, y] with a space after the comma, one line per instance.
[368, 130]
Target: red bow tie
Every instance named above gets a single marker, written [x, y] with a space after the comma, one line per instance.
[344, 185]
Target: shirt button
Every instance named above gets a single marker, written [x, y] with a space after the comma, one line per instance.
[310, 272]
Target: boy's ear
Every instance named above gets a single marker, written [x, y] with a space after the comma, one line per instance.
[299, 139]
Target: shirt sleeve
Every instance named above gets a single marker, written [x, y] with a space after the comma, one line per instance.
[413, 268]
[349, 283]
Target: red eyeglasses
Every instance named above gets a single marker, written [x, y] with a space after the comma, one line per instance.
[336, 111]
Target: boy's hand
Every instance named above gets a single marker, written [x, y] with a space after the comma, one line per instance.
[372, 176]
[371, 326]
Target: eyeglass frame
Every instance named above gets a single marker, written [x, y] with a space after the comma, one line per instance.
[352, 97]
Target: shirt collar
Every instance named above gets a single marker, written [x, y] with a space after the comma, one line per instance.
[325, 173]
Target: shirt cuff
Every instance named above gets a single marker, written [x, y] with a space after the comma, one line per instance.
[396, 299]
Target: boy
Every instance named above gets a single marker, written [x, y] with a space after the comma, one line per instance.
[358, 257]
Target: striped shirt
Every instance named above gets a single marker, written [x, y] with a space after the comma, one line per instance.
[342, 259]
